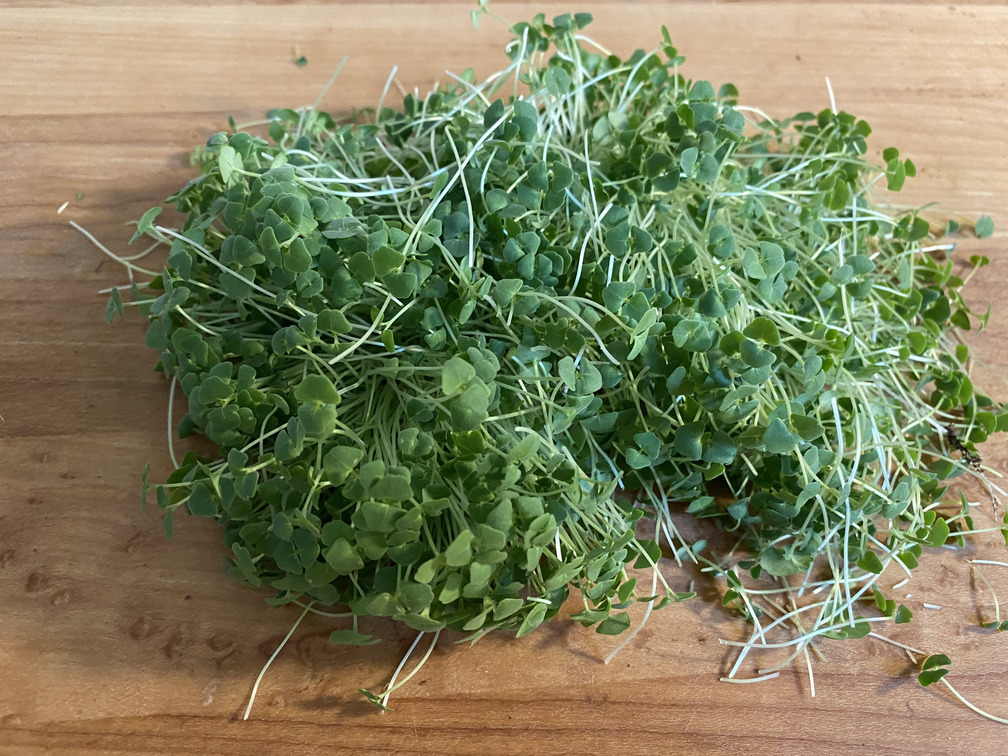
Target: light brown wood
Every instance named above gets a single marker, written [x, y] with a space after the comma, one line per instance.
[113, 640]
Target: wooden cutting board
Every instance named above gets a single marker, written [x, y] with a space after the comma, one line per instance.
[113, 640]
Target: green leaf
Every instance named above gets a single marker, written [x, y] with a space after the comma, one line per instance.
[506, 289]
[201, 502]
[114, 306]
[493, 114]
[780, 563]
[351, 638]
[470, 408]
[558, 82]
[616, 293]
[490, 538]
[720, 449]
[297, 258]
[860, 629]
[415, 597]
[565, 369]
[282, 526]
[808, 428]
[688, 159]
[687, 440]
[763, 329]
[755, 355]
[393, 487]
[427, 571]
[589, 378]
[373, 698]
[230, 164]
[401, 285]
[710, 304]
[361, 267]
[456, 375]
[214, 389]
[895, 174]
[180, 259]
[532, 620]
[507, 607]
[636, 460]
[383, 605]
[692, 335]
[931, 676]
[525, 448]
[479, 577]
[649, 443]
[722, 242]
[332, 320]
[387, 260]
[452, 589]
[287, 339]
[496, 200]
[318, 389]
[934, 668]
[657, 164]
[614, 624]
[421, 622]
[701, 91]
[777, 439]
[938, 533]
[752, 265]
[870, 562]
[935, 660]
[340, 461]
[984, 227]
[459, 551]
[650, 553]
[146, 223]
[244, 252]
[342, 557]
[707, 169]
[243, 561]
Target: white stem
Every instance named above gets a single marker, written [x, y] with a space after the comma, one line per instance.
[255, 688]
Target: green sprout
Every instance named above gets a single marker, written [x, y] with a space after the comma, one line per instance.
[468, 357]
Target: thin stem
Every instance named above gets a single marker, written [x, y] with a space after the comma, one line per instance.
[255, 687]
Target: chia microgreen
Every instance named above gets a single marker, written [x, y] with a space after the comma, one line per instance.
[438, 345]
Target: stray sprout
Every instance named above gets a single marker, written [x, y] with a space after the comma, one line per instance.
[996, 624]
[262, 672]
[381, 700]
[935, 671]
[761, 678]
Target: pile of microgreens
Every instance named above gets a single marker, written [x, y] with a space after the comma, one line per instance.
[452, 353]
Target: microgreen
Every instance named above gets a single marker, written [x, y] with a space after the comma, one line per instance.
[933, 669]
[439, 345]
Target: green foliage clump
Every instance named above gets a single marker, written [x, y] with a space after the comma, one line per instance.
[434, 342]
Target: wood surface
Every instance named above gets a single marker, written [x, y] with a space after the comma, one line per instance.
[113, 640]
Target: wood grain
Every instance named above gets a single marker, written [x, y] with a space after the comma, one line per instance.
[113, 640]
